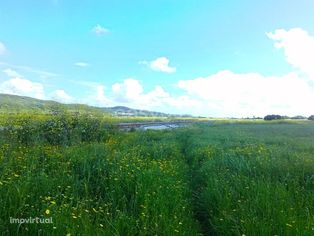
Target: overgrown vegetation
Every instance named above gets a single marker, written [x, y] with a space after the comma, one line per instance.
[218, 179]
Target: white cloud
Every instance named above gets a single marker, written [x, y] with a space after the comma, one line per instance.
[22, 87]
[98, 29]
[298, 48]
[158, 92]
[2, 48]
[224, 94]
[153, 100]
[101, 99]
[11, 73]
[17, 85]
[160, 64]
[228, 94]
[81, 64]
[131, 93]
[94, 93]
[129, 90]
[61, 96]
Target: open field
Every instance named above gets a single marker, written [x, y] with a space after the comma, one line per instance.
[226, 178]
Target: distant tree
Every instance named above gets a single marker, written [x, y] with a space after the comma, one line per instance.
[311, 117]
[273, 117]
[298, 117]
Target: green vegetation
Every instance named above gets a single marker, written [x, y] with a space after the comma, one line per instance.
[279, 117]
[18, 104]
[12, 104]
[218, 179]
[253, 179]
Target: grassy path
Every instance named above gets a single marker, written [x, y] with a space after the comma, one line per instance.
[252, 179]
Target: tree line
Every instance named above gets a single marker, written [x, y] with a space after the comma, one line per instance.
[279, 117]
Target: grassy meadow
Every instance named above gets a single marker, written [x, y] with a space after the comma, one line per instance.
[220, 178]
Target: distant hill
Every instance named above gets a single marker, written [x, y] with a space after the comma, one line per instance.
[126, 111]
[21, 104]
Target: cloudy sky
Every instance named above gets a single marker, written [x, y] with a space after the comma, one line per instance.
[217, 58]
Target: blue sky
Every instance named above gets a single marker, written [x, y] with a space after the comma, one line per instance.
[210, 58]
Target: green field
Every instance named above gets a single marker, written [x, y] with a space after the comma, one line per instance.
[221, 178]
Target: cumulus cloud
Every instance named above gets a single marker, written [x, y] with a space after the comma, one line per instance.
[158, 92]
[99, 30]
[160, 64]
[2, 48]
[11, 73]
[61, 96]
[81, 64]
[223, 94]
[129, 90]
[154, 99]
[131, 93]
[229, 94]
[101, 98]
[22, 87]
[298, 47]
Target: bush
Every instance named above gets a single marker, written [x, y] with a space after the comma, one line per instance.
[273, 117]
[311, 117]
[60, 129]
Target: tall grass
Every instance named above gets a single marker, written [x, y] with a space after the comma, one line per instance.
[119, 184]
[219, 179]
[254, 179]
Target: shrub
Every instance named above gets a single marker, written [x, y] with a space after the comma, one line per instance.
[273, 117]
[311, 117]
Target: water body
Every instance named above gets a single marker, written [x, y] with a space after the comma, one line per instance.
[159, 127]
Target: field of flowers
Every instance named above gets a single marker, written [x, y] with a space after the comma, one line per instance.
[218, 179]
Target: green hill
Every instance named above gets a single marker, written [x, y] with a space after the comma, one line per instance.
[21, 104]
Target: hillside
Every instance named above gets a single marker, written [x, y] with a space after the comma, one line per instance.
[126, 111]
[21, 104]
